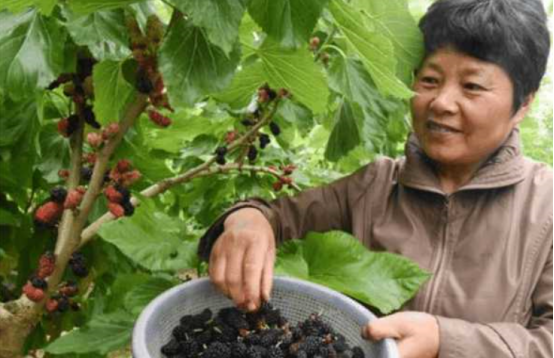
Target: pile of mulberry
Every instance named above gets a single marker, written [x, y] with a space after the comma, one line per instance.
[232, 333]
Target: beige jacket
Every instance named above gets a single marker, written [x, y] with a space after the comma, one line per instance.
[488, 245]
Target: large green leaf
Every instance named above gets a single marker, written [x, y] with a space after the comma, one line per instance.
[141, 295]
[103, 334]
[350, 78]
[104, 33]
[112, 91]
[244, 85]
[393, 19]
[88, 6]
[339, 261]
[21, 120]
[192, 67]
[184, 128]
[294, 70]
[220, 19]
[152, 239]
[375, 50]
[32, 48]
[290, 22]
[345, 135]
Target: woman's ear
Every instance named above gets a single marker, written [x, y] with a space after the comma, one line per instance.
[523, 109]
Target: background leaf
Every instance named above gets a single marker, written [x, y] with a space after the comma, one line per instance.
[289, 22]
[112, 91]
[191, 66]
[151, 239]
[339, 261]
[374, 49]
[32, 48]
[104, 33]
[220, 19]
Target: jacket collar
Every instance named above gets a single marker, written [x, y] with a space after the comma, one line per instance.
[504, 168]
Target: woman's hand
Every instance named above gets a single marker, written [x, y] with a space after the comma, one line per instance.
[417, 333]
[242, 258]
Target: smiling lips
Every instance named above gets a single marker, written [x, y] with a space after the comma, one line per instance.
[435, 127]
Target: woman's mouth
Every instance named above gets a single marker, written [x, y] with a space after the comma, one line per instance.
[435, 127]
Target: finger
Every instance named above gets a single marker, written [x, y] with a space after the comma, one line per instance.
[385, 327]
[252, 273]
[233, 275]
[216, 269]
[267, 276]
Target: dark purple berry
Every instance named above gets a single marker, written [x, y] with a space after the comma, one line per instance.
[274, 128]
[58, 194]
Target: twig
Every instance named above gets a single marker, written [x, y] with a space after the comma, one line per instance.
[163, 185]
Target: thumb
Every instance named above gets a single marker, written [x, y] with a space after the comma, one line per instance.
[381, 328]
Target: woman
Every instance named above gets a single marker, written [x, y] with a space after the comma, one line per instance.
[464, 203]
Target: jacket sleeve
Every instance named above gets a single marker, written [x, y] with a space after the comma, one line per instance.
[462, 339]
[320, 209]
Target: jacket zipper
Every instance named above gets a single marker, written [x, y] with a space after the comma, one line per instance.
[431, 293]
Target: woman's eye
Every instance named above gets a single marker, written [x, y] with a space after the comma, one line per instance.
[429, 80]
[473, 86]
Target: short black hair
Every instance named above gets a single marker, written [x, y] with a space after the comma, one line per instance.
[512, 34]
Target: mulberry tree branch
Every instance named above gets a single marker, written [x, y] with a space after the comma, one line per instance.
[201, 170]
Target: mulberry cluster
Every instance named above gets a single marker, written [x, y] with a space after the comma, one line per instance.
[48, 214]
[123, 174]
[78, 264]
[62, 300]
[145, 47]
[119, 200]
[232, 333]
[285, 178]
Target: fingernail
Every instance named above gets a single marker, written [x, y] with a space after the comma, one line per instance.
[251, 306]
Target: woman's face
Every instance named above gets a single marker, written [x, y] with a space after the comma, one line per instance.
[462, 110]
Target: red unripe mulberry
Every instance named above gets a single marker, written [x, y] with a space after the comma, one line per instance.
[94, 139]
[113, 195]
[129, 178]
[63, 125]
[33, 293]
[123, 166]
[278, 185]
[110, 131]
[46, 265]
[51, 305]
[159, 118]
[116, 210]
[49, 213]
[73, 199]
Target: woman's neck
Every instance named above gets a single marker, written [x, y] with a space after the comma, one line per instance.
[453, 177]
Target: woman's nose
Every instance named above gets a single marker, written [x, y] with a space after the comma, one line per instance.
[445, 101]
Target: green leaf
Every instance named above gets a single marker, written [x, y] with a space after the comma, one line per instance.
[8, 219]
[191, 66]
[339, 261]
[32, 48]
[18, 157]
[103, 334]
[350, 78]
[294, 70]
[112, 91]
[220, 19]
[244, 86]
[104, 33]
[393, 20]
[141, 295]
[55, 153]
[88, 6]
[185, 127]
[289, 22]
[374, 49]
[345, 135]
[151, 239]
[15, 6]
